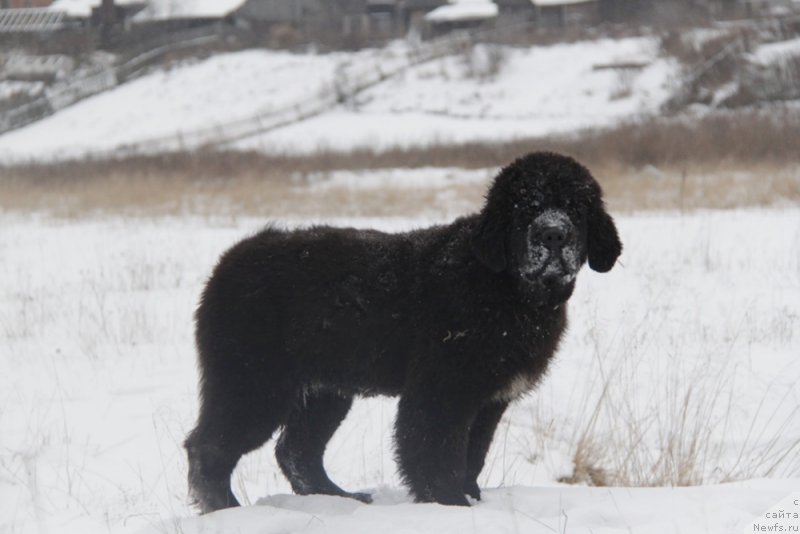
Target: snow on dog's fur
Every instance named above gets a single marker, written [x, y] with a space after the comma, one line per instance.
[458, 320]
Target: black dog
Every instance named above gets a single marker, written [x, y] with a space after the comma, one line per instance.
[458, 320]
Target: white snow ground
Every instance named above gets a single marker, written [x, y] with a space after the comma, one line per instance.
[540, 90]
[683, 359]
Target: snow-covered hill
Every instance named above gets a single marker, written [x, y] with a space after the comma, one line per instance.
[540, 90]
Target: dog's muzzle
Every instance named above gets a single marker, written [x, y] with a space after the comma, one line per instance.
[552, 252]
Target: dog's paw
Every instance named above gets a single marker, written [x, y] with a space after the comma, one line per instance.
[366, 498]
[471, 488]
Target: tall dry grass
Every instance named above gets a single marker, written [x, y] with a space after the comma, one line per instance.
[681, 441]
[721, 161]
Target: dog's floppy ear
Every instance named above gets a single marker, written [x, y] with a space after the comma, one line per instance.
[603, 244]
[489, 241]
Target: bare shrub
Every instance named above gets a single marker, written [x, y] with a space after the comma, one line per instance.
[708, 64]
[692, 50]
[777, 81]
[679, 436]
[484, 61]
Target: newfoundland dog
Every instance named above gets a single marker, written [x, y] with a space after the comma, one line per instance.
[457, 320]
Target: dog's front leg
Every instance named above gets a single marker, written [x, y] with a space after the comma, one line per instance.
[431, 437]
[480, 437]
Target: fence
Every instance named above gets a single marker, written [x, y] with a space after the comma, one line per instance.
[349, 81]
[70, 91]
[30, 19]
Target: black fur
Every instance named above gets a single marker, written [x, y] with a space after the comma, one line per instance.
[458, 320]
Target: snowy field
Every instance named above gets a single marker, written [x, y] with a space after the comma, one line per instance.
[538, 90]
[680, 366]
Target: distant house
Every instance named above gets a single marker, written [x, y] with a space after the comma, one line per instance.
[269, 12]
[565, 13]
[89, 11]
[315, 18]
[412, 13]
[173, 14]
[515, 10]
[554, 14]
[176, 15]
[295, 21]
[177, 10]
[462, 14]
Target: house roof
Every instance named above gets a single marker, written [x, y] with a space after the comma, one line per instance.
[188, 9]
[154, 9]
[549, 3]
[458, 10]
[83, 8]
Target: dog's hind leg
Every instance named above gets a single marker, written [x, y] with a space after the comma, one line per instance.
[312, 421]
[229, 426]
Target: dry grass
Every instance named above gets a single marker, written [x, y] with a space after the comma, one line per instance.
[682, 439]
[273, 196]
[724, 161]
[684, 435]
[722, 186]
[294, 194]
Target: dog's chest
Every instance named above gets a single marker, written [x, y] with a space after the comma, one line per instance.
[518, 386]
[527, 361]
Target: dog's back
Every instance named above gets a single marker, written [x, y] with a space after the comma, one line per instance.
[333, 305]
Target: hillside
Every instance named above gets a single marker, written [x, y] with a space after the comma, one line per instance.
[484, 93]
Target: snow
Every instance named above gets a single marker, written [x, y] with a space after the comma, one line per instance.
[517, 509]
[168, 9]
[703, 312]
[83, 8]
[767, 54]
[155, 9]
[548, 3]
[541, 90]
[459, 10]
[11, 87]
[197, 95]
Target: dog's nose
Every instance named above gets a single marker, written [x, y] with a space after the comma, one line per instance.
[554, 238]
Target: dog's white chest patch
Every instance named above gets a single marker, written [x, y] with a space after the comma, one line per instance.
[519, 385]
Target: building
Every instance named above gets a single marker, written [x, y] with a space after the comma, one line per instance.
[514, 11]
[91, 12]
[461, 14]
[565, 13]
[20, 4]
[366, 19]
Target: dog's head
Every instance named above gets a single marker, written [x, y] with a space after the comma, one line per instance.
[544, 218]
